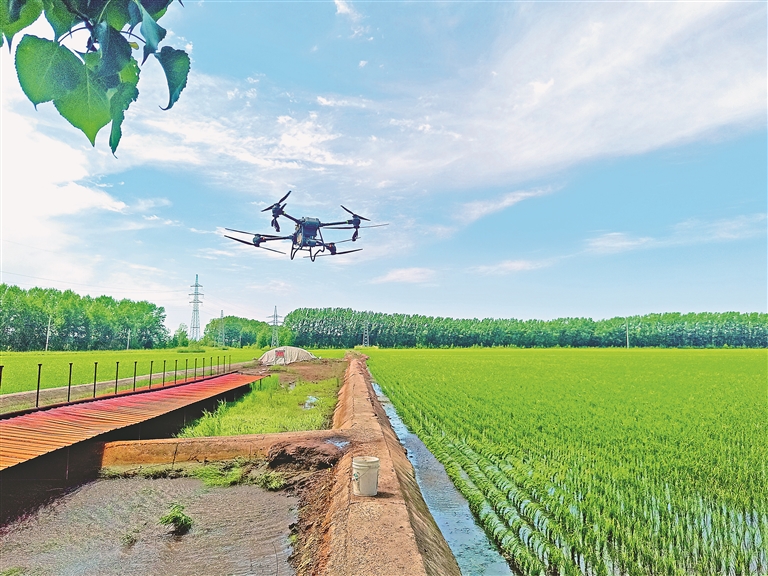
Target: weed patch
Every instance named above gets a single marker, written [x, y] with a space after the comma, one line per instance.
[180, 522]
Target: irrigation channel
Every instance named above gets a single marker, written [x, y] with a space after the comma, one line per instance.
[475, 554]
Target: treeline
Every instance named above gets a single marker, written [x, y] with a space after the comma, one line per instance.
[68, 321]
[236, 331]
[344, 327]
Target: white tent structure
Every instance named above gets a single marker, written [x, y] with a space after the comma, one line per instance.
[285, 355]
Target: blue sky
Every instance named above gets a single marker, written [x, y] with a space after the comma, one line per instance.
[533, 160]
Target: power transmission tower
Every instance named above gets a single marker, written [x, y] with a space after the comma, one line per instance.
[366, 336]
[221, 328]
[275, 324]
[194, 330]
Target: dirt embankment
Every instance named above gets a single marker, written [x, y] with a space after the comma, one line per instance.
[392, 533]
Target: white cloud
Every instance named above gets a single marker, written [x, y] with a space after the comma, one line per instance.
[614, 242]
[363, 63]
[342, 102]
[693, 231]
[512, 266]
[406, 275]
[472, 211]
[343, 7]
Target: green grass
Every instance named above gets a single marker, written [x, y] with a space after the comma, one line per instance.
[270, 407]
[20, 368]
[641, 461]
[179, 521]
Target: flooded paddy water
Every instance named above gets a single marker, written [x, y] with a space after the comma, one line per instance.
[475, 554]
[110, 527]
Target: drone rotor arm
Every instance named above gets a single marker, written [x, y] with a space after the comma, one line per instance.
[254, 245]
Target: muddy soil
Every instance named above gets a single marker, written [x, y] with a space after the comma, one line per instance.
[311, 371]
[110, 527]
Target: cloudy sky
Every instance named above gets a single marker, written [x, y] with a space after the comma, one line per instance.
[533, 160]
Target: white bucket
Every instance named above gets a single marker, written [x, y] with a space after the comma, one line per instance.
[365, 475]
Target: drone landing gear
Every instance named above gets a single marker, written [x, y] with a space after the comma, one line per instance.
[294, 249]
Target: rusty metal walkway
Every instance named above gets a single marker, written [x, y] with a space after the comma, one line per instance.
[30, 435]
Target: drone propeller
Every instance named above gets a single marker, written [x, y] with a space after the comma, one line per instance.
[356, 215]
[277, 211]
[254, 245]
[277, 203]
[337, 253]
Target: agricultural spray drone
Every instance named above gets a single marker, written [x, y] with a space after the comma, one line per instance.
[308, 234]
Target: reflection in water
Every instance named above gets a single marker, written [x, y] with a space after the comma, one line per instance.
[475, 554]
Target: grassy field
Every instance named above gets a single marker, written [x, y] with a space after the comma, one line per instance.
[20, 368]
[271, 407]
[589, 461]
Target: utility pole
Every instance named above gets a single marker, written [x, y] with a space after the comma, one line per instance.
[221, 328]
[48, 332]
[627, 319]
[366, 336]
[275, 323]
[194, 330]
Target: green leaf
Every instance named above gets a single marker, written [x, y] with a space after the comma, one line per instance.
[116, 13]
[16, 17]
[46, 69]
[175, 63]
[121, 99]
[156, 8]
[152, 32]
[126, 93]
[59, 17]
[86, 107]
[115, 53]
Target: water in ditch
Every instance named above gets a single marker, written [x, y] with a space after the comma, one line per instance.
[475, 554]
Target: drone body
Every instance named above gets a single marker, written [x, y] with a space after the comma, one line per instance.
[307, 234]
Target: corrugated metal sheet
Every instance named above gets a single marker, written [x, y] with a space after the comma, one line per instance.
[30, 435]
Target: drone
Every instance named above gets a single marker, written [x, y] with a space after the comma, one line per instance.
[307, 234]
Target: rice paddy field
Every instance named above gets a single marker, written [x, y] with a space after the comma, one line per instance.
[599, 461]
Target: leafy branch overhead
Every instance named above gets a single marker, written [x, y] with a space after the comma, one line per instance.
[96, 86]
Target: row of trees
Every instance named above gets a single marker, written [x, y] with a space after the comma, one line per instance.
[236, 331]
[41, 318]
[45, 318]
[344, 327]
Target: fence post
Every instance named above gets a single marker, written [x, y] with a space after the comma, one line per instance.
[203, 366]
[69, 385]
[217, 364]
[230, 362]
[37, 399]
[151, 364]
[117, 371]
[95, 368]
[134, 375]
[186, 369]
[194, 376]
[1, 377]
[175, 370]
[164, 361]
[210, 366]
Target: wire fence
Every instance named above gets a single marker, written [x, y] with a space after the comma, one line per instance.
[169, 374]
